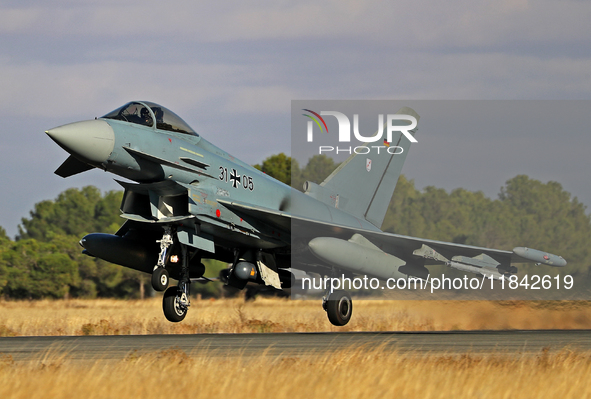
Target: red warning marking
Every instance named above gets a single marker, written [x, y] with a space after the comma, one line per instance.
[218, 213]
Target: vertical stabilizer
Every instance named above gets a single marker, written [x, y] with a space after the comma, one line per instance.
[364, 183]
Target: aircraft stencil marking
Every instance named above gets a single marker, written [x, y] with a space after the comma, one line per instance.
[235, 179]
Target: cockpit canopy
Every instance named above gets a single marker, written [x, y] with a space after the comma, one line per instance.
[144, 113]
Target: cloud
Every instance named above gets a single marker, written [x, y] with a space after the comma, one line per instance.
[417, 24]
[73, 90]
[68, 57]
[51, 90]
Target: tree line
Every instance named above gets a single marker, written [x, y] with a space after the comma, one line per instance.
[45, 261]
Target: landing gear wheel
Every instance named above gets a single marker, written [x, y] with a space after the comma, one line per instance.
[339, 308]
[160, 279]
[171, 305]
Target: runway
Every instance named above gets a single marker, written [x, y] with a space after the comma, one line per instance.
[297, 344]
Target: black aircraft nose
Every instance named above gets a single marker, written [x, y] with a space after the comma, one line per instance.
[92, 140]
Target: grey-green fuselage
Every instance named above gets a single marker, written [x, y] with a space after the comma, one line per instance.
[224, 178]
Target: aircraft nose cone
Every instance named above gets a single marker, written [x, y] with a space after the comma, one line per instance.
[92, 140]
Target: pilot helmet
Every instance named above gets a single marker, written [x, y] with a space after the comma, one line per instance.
[146, 116]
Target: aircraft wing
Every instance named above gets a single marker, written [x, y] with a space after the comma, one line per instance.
[398, 244]
[410, 251]
[271, 217]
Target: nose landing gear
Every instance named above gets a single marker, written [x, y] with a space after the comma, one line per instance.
[176, 300]
[160, 274]
[160, 279]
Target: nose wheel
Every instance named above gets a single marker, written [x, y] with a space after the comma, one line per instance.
[160, 279]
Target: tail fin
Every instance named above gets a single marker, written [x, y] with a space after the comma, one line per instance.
[365, 183]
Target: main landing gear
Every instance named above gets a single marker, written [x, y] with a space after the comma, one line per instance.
[338, 306]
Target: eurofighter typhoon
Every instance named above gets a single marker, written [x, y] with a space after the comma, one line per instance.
[186, 200]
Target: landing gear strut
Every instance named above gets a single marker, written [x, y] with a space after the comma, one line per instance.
[176, 300]
[160, 274]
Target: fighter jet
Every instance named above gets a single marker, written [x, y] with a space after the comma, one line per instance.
[186, 200]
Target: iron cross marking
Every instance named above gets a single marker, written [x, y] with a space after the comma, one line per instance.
[235, 177]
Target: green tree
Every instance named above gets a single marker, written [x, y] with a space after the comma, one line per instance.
[106, 212]
[5, 243]
[318, 168]
[75, 212]
[277, 166]
[38, 270]
[527, 213]
[3, 235]
[547, 217]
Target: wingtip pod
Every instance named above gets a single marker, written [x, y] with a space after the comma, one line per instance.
[538, 256]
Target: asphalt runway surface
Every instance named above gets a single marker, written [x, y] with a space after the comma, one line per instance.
[296, 344]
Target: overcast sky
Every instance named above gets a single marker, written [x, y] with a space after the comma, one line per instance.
[230, 69]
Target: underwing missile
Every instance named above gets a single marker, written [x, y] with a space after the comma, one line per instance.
[484, 271]
[542, 257]
[356, 258]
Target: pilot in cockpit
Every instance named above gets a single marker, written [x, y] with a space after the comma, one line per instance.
[146, 117]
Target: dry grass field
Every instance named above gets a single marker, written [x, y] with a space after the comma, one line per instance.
[350, 373]
[114, 317]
